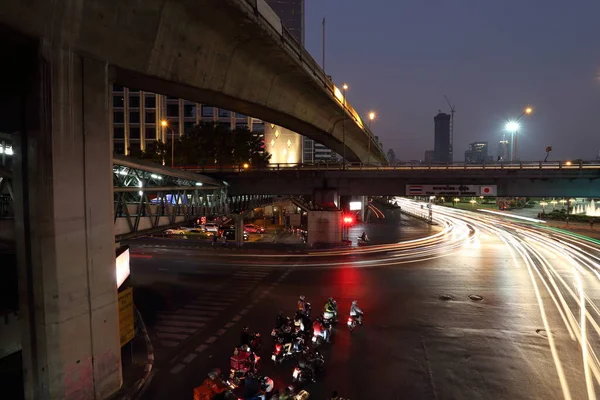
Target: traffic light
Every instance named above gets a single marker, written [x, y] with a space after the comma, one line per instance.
[348, 220]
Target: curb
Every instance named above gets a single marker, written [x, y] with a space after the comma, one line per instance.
[136, 390]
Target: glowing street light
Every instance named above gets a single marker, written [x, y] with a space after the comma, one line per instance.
[246, 165]
[553, 202]
[512, 126]
[164, 123]
[473, 202]
[372, 116]
[543, 204]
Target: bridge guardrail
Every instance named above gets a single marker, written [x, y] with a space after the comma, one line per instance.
[313, 67]
[529, 165]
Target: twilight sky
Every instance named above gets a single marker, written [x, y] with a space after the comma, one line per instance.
[490, 57]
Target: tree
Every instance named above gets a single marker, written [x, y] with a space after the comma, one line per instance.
[210, 144]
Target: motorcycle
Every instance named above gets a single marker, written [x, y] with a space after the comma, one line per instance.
[331, 317]
[361, 242]
[322, 337]
[262, 392]
[239, 368]
[353, 322]
[305, 375]
[283, 351]
[256, 342]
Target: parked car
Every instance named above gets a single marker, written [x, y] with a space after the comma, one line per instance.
[177, 231]
[251, 228]
[230, 234]
[211, 227]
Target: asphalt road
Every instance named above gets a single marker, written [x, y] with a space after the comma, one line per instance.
[427, 334]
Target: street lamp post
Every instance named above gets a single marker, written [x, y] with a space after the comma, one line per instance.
[543, 204]
[513, 127]
[371, 118]
[165, 124]
[344, 88]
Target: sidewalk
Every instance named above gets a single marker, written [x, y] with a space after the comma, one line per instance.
[580, 228]
[137, 359]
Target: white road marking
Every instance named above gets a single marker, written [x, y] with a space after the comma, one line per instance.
[229, 325]
[221, 331]
[201, 348]
[236, 318]
[176, 369]
[174, 329]
[244, 311]
[182, 324]
[211, 339]
[188, 359]
[175, 336]
[167, 343]
[182, 317]
[203, 307]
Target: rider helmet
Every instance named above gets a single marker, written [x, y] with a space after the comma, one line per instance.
[214, 373]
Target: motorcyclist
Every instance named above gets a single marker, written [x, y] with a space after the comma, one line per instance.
[287, 394]
[319, 328]
[267, 384]
[246, 337]
[243, 355]
[331, 307]
[214, 383]
[307, 361]
[356, 312]
[364, 237]
[280, 321]
[302, 304]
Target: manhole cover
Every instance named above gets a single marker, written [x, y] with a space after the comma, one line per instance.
[475, 297]
[541, 332]
[446, 297]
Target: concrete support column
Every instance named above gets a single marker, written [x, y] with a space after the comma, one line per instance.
[64, 229]
[239, 230]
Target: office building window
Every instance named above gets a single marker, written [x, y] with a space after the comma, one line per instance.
[224, 113]
[172, 110]
[150, 147]
[119, 148]
[117, 88]
[188, 110]
[241, 125]
[187, 125]
[208, 111]
[172, 98]
[134, 101]
[134, 90]
[150, 134]
[241, 116]
[150, 117]
[134, 132]
[118, 117]
[118, 132]
[118, 101]
[134, 147]
[150, 100]
[134, 117]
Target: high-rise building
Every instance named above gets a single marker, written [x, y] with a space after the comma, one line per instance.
[429, 156]
[442, 138]
[291, 13]
[477, 153]
[137, 115]
[504, 149]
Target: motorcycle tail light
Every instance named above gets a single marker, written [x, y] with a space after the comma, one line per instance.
[350, 319]
[278, 348]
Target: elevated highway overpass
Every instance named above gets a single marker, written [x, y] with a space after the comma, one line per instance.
[530, 179]
[233, 54]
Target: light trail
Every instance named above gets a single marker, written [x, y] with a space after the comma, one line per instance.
[563, 266]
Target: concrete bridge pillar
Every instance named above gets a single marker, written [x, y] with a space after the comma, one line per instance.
[64, 223]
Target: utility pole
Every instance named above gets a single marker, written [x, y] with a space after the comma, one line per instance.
[323, 44]
[452, 110]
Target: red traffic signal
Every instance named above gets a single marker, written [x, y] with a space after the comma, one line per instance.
[348, 219]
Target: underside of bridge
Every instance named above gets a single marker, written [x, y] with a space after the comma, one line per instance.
[228, 53]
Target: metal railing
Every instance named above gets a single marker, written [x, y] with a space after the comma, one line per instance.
[525, 165]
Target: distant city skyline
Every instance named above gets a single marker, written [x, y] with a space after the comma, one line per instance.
[401, 58]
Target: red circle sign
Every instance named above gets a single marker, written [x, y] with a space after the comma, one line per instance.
[486, 190]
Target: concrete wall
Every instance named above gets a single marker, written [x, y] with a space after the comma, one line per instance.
[324, 227]
[10, 334]
[219, 52]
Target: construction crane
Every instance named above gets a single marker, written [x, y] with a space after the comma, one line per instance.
[452, 110]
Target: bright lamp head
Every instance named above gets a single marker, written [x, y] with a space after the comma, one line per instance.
[512, 126]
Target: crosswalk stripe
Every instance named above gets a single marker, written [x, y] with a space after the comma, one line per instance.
[183, 317]
[186, 311]
[183, 324]
[176, 336]
[168, 343]
[203, 307]
[173, 329]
